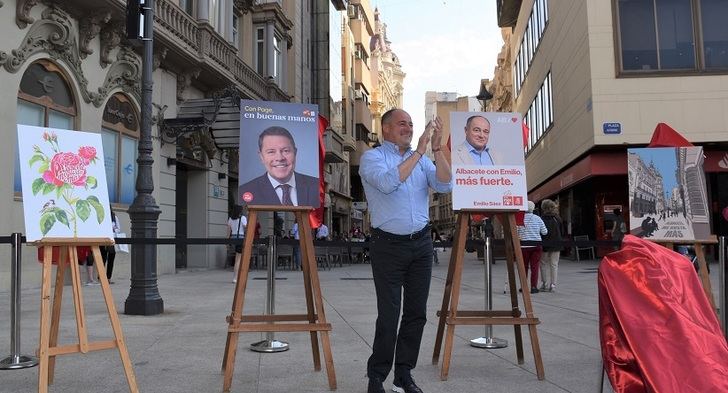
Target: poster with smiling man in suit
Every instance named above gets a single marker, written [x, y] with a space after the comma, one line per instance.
[278, 154]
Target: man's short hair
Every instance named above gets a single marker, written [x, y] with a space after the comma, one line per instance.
[275, 131]
[388, 114]
[470, 119]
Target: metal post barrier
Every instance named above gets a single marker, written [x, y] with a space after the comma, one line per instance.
[16, 361]
[723, 274]
[488, 341]
[270, 344]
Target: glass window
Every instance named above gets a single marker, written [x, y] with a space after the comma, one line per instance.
[714, 13]
[236, 36]
[277, 58]
[119, 135]
[260, 50]
[675, 34]
[44, 100]
[186, 5]
[637, 31]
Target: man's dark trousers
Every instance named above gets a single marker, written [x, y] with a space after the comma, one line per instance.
[398, 264]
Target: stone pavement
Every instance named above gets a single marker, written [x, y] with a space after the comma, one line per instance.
[181, 350]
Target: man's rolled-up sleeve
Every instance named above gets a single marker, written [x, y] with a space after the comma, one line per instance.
[436, 185]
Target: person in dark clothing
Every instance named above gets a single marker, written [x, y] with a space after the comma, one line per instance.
[551, 253]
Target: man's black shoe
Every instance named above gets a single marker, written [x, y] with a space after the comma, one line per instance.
[375, 386]
[406, 386]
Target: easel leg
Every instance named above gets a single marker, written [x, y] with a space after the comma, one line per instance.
[318, 301]
[513, 290]
[704, 278]
[456, 253]
[306, 268]
[455, 294]
[56, 313]
[78, 300]
[527, 305]
[231, 344]
[115, 324]
[45, 301]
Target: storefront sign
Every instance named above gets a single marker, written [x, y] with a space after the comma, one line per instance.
[359, 205]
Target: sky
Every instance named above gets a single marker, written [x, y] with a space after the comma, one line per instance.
[665, 162]
[444, 46]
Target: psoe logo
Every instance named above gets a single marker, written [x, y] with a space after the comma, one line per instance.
[508, 199]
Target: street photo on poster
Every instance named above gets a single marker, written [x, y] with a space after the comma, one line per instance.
[488, 165]
[278, 154]
[64, 184]
[668, 199]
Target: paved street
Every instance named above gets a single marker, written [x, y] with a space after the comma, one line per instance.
[181, 351]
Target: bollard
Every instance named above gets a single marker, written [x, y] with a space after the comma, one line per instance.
[488, 341]
[270, 344]
[16, 361]
[722, 285]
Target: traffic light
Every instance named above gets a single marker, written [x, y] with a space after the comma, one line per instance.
[134, 17]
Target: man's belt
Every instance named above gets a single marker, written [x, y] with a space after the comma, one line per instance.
[412, 236]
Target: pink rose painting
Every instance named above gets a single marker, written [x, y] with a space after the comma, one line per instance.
[64, 181]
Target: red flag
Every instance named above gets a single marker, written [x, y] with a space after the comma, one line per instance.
[526, 132]
[316, 218]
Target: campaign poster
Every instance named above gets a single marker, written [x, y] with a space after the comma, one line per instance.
[488, 165]
[279, 158]
[668, 199]
[64, 184]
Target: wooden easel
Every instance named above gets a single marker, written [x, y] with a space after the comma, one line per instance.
[703, 266]
[449, 314]
[316, 318]
[48, 347]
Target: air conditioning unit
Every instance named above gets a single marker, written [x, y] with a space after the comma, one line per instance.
[351, 11]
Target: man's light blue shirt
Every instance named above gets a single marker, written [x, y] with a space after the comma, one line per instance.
[479, 157]
[398, 207]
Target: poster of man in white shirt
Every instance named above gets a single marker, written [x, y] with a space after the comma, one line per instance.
[487, 161]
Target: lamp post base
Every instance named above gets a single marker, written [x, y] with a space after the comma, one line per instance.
[269, 346]
[16, 362]
[488, 343]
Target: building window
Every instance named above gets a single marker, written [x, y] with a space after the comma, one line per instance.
[260, 58]
[119, 136]
[186, 5]
[672, 35]
[540, 115]
[535, 26]
[236, 34]
[44, 100]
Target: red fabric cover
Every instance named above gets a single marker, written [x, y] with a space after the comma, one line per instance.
[657, 329]
[316, 217]
[666, 136]
[83, 252]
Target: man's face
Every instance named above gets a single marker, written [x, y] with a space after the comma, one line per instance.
[477, 133]
[398, 129]
[278, 156]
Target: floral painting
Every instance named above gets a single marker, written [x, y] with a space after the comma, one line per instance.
[64, 184]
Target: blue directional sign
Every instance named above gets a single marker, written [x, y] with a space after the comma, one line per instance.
[612, 128]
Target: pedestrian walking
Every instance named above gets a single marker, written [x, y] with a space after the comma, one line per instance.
[551, 252]
[108, 253]
[532, 230]
[236, 230]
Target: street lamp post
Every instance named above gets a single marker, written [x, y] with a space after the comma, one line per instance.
[144, 298]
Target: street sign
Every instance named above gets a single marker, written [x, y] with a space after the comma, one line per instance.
[612, 128]
[359, 205]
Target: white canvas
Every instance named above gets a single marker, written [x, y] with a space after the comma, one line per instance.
[63, 183]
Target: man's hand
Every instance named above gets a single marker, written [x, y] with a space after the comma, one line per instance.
[424, 139]
[436, 138]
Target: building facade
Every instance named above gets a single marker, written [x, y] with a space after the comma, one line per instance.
[595, 78]
[73, 68]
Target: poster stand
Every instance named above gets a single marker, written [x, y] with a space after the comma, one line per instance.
[703, 266]
[315, 317]
[450, 316]
[50, 313]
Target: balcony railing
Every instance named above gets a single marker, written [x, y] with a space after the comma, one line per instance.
[204, 43]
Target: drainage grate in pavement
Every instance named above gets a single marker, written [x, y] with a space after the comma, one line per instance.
[356, 278]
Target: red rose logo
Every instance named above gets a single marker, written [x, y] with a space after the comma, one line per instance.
[247, 197]
[87, 153]
[66, 168]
